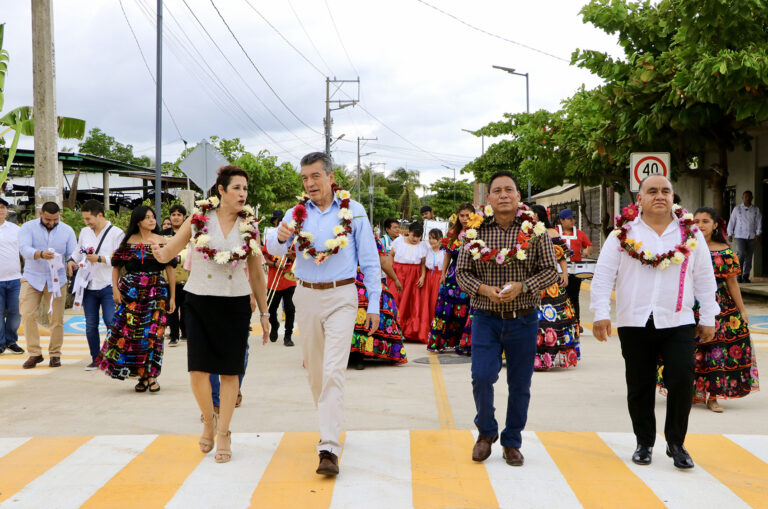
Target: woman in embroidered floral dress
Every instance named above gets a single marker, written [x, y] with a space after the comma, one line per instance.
[451, 326]
[134, 344]
[557, 342]
[725, 368]
[387, 341]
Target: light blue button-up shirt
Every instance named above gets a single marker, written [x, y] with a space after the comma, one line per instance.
[34, 236]
[361, 251]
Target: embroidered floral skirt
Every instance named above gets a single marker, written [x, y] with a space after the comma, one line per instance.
[451, 326]
[134, 344]
[387, 341]
[557, 341]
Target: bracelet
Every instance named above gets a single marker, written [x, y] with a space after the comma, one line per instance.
[263, 314]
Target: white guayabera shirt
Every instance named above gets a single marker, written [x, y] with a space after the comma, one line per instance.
[642, 289]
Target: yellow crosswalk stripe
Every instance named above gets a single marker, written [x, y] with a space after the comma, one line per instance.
[28, 461]
[153, 477]
[444, 413]
[443, 473]
[290, 480]
[732, 465]
[596, 475]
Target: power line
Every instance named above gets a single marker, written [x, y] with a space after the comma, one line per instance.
[259, 71]
[234, 68]
[212, 75]
[144, 59]
[273, 27]
[473, 27]
[328, 7]
[296, 14]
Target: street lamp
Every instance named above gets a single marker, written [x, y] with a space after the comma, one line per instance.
[482, 140]
[454, 184]
[527, 102]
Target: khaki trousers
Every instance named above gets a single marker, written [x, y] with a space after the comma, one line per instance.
[326, 320]
[31, 300]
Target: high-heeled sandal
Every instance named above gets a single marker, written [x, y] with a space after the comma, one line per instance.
[206, 444]
[225, 453]
[142, 386]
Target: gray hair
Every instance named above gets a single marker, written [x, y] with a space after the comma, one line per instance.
[314, 157]
[642, 182]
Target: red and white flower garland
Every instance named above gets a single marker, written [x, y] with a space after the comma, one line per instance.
[249, 233]
[645, 256]
[304, 240]
[528, 229]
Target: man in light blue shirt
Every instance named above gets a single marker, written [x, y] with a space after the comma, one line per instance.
[326, 296]
[44, 241]
[746, 225]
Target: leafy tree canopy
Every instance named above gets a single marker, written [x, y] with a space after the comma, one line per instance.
[99, 143]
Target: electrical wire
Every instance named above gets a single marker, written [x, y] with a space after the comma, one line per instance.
[259, 71]
[312, 42]
[333, 21]
[473, 27]
[144, 59]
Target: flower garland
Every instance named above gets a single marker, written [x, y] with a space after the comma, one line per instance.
[528, 229]
[634, 248]
[249, 233]
[304, 239]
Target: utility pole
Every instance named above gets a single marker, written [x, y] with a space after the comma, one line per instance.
[340, 104]
[359, 139]
[159, 114]
[48, 172]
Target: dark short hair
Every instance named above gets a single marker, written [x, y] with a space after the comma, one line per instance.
[94, 207]
[417, 228]
[499, 174]
[436, 233]
[425, 208]
[388, 223]
[3, 202]
[178, 207]
[314, 157]
[50, 207]
[747, 192]
[225, 175]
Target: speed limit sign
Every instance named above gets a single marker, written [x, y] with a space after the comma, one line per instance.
[645, 164]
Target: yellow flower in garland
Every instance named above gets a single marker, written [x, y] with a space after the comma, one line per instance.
[474, 221]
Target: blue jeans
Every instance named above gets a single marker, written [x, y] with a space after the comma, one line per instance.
[745, 248]
[517, 339]
[10, 318]
[216, 384]
[92, 300]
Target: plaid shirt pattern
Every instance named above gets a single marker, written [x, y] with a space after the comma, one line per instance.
[537, 270]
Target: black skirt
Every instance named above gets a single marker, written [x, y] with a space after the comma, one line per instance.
[217, 333]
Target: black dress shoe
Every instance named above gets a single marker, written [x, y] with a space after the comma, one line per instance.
[288, 341]
[679, 456]
[642, 455]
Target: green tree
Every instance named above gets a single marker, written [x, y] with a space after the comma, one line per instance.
[442, 201]
[99, 143]
[692, 80]
[402, 186]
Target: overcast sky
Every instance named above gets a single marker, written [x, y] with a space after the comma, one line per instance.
[423, 75]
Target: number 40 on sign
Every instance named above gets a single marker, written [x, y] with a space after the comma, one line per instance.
[645, 164]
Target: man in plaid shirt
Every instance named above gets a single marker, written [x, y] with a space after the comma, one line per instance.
[504, 320]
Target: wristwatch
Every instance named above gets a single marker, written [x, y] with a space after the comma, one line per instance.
[524, 287]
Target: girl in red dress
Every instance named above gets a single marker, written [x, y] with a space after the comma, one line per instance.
[434, 264]
[408, 257]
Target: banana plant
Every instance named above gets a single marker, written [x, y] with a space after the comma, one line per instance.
[21, 121]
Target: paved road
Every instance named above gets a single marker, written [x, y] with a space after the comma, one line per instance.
[97, 441]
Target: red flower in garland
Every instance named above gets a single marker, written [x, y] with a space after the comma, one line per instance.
[299, 212]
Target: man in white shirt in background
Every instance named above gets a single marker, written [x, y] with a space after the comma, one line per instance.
[94, 251]
[746, 225]
[10, 283]
[655, 317]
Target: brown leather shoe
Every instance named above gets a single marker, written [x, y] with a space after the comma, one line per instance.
[513, 456]
[33, 361]
[55, 362]
[482, 448]
[329, 463]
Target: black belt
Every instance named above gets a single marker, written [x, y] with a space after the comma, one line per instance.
[509, 315]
